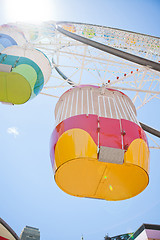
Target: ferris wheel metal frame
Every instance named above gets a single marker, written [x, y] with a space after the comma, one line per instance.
[62, 42]
[144, 67]
[122, 54]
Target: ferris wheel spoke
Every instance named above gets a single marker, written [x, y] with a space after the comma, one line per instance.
[136, 90]
[146, 101]
[146, 98]
[52, 80]
[56, 77]
[104, 60]
[49, 95]
[139, 86]
[98, 73]
[154, 144]
[82, 65]
[62, 75]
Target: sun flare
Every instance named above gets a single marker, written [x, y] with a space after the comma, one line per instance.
[32, 11]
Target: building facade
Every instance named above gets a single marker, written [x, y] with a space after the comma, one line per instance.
[30, 233]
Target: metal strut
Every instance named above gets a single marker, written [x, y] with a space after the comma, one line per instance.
[150, 130]
[119, 53]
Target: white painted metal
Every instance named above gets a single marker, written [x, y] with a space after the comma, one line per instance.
[110, 104]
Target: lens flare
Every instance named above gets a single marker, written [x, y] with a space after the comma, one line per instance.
[32, 11]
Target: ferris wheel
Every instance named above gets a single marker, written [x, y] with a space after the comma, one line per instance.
[92, 70]
[120, 59]
[92, 54]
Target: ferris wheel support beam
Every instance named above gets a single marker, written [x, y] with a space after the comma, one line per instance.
[95, 58]
[150, 130]
[135, 90]
[49, 95]
[62, 74]
[111, 50]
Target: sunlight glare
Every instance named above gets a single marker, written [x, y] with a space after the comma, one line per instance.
[32, 11]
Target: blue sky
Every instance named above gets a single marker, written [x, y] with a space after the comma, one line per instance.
[29, 195]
